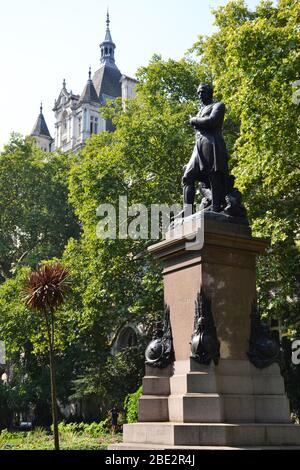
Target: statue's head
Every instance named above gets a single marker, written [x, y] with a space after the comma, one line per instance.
[205, 93]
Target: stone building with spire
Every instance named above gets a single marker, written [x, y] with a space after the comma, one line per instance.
[77, 117]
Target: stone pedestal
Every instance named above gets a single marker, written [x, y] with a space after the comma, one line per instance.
[231, 404]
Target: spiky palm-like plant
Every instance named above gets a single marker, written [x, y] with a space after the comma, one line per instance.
[45, 292]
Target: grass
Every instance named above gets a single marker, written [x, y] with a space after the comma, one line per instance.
[40, 439]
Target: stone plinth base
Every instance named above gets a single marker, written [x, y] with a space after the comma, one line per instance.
[230, 406]
[233, 392]
[208, 435]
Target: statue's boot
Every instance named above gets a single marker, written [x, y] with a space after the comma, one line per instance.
[218, 191]
[189, 194]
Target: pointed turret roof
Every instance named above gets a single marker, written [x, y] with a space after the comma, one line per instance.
[108, 37]
[89, 93]
[107, 78]
[107, 47]
[40, 128]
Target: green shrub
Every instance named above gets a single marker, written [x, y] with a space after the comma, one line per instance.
[5, 435]
[131, 405]
[97, 429]
[83, 429]
[41, 439]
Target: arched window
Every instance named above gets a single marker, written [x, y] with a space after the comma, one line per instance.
[126, 339]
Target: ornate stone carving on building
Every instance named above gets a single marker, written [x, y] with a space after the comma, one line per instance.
[205, 345]
[263, 349]
[160, 352]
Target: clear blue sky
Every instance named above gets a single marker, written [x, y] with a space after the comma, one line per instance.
[44, 41]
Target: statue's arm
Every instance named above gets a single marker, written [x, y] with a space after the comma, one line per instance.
[212, 121]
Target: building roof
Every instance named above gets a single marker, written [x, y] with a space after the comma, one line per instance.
[108, 38]
[129, 79]
[107, 78]
[107, 82]
[107, 47]
[89, 93]
[40, 128]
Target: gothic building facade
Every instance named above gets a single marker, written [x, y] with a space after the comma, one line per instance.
[77, 117]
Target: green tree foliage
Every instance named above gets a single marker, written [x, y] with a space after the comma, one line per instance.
[131, 405]
[35, 218]
[36, 221]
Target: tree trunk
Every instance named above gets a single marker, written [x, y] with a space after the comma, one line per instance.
[53, 399]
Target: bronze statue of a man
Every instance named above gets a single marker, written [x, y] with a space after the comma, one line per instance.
[209, 161]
